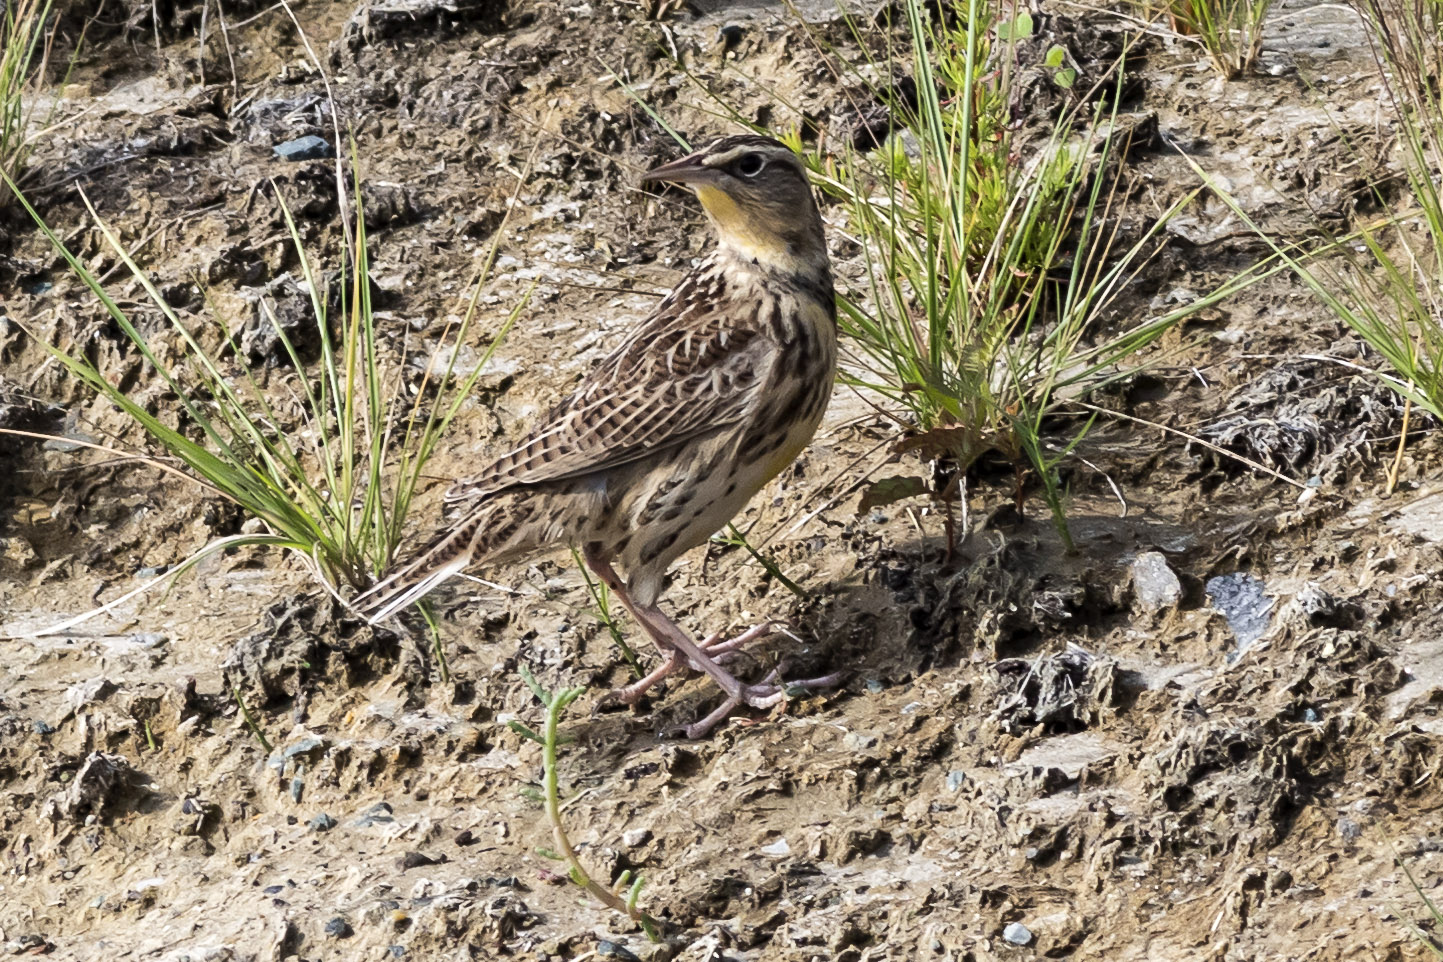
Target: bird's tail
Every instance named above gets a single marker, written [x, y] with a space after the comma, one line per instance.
[444, 557]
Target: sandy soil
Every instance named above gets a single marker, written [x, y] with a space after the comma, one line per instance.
[1026, 739]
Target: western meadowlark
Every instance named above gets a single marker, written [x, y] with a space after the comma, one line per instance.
[674, 432]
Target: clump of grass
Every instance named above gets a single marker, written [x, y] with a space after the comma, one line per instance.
[1385, 280]
[992, 261]
[625, 894]
[1230, 32]
[24, 53]
[332, 470]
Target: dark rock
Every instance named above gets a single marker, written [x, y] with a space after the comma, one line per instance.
[339, 928]
[309, 147]
[417, 860]
[611, 950]
[322, 823]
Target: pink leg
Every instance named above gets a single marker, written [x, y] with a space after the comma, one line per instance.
[682, 652]
[716, 647]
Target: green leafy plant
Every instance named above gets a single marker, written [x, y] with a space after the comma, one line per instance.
[331, 472]
[625, 894]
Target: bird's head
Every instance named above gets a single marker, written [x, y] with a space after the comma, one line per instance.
[756, 192]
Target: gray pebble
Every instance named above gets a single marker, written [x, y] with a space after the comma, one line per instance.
[611, 950]
[636, 838]
[1153, 581]
[304, 148]
[1017, 934]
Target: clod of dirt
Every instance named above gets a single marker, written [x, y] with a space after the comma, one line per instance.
[101, 781]
[1064, 691]
[1307, 416]
[308, 638]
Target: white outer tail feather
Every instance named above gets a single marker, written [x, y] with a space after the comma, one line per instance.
[389, 605]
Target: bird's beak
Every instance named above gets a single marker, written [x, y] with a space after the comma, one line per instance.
[687, 170]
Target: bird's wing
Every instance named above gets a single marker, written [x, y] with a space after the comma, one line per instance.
[694, 366]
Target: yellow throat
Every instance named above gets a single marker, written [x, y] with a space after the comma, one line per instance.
[742, 232]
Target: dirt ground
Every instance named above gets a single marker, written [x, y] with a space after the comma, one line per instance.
[1036, 755]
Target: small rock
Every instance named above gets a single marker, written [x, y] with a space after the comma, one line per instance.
[1241, 599]
[377, 814]
[956, 779]
[322, 823]
[1017, 934]
[306, 746]
[304, 148]
[911, 707]
[1154, 583]
[42, 727]
[611, 950]
[418, 859]
[777, 849]
[636, 838]
[339, 928]
[859, 741]
[1349, 829]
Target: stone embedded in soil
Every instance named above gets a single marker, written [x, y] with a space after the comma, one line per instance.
[1017, 934]
[1239, 597]
[309, 147]
[1153, 581]
[322, 823]
[339, 928]
[611, 950]
[777, 849]
[636, 837]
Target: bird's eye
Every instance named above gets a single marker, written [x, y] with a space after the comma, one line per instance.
[751, 164]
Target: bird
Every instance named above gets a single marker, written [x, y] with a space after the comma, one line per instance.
[705, 401]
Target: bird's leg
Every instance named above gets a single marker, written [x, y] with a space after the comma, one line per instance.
[664, 632]
[682, 652]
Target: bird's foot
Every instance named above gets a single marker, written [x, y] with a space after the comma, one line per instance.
[720, 650]
[767, 693]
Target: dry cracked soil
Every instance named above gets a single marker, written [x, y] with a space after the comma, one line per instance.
[1211, 733]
